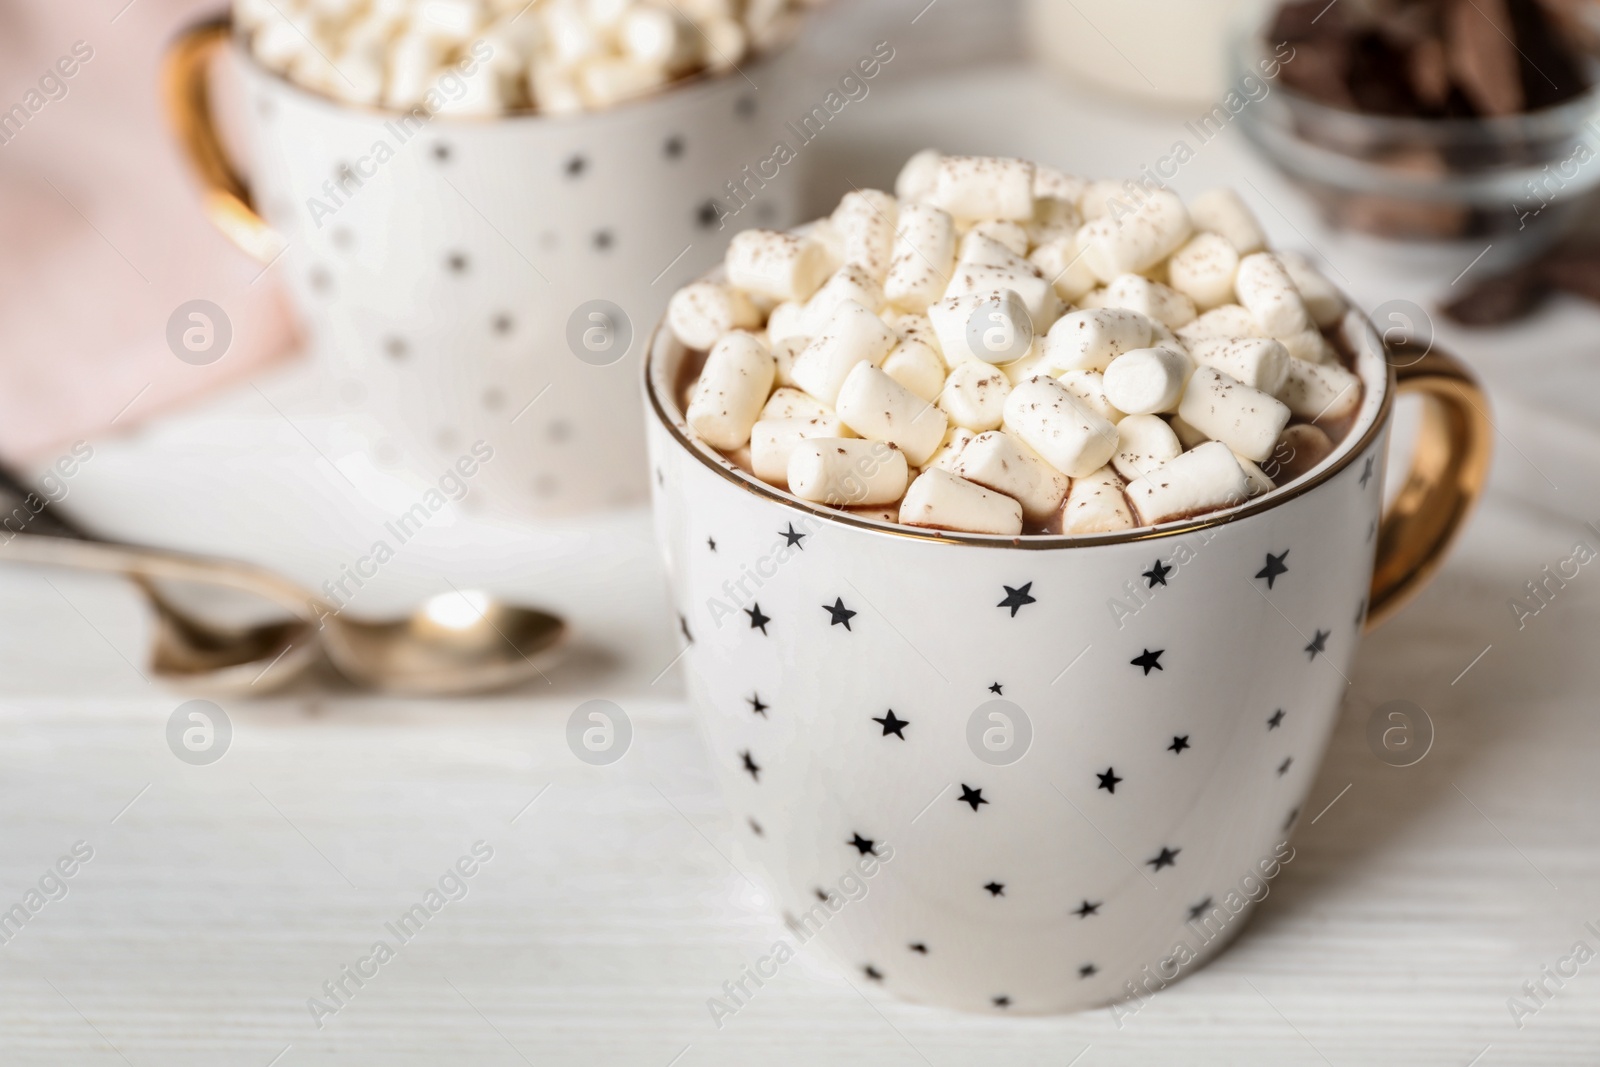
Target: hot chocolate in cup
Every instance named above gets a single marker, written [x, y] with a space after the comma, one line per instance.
[1038, 773]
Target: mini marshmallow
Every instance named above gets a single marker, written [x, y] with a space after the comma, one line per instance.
[1095, 504]
[1204, 479]
[1148, 380]
[701, 313]
[1324, 302]
[1319, 391]
[778, 265]
[1095, 199]
[1259, 362]
[783, 353]
[1204, 269]
[1246, 420]
[773, 441]
[1090, 388]
[1229, 320]
[980, 250]
[879, 408]
[1144, 443]
[1265, 289]
[1061, 263]
[1224, 212]
[606, 81]
[1052, 220]
[955, 442]
[659, 37]
[1188, 436]
[1123, 242]
[788, 403]
[733, 387]
[1003, 326]
[1004, 464]
[939, 500]
[924, 257]
[726, 44]
[1090, 340]
[853, 335]
[919, 176]
[1044, 306]
[787, 320]
[1153, 300]
[1052, 184]
[917, 366]
[1029, 366]
[1254, 477]
[1310, 346]
[849, 284]
[866, 220]
[984, 187]
[1065, 433]
[950, 319]
[1008, 235]
[847, 472]
[975, 396]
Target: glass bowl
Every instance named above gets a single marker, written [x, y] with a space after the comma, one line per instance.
[1515, 179]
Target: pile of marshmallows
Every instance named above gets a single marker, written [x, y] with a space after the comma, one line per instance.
[558, 56]
[919, 356]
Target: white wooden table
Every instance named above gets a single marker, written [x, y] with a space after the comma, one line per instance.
[219, 898]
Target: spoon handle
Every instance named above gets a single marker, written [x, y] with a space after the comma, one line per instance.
[48, 521]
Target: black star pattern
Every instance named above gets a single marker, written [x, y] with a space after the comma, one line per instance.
[576, 166]
[1361, 612]
[712, 542]
[1372, 530]
[841, 614]
[1179, 744]
[661, 478]
[1366, 473]
[1283, 768]
[683, 624]
[1150, 661]
[892, 724]
[1088, 908]
[997, 689]
[750, 765]
[1276, 720]
[603, 240]
[1274, 567]
[1002, 1002]
[996, 889]
[863, 845]
[872, 972]
[756, 829]
[1088, 970]
[1293, 815]
[756, 704]
[820, 895]
[1200, 909]
[793, 537]
[1318, 643]
[1157, 574]
[1016, 599]
[441, 152]
[1108, 780]
[971, 796]
[673, 149]
[1168, 857]
[758, 621]
[709, 215]
[918, 946]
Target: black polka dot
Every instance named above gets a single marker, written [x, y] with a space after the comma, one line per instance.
[709, 215]
[746, 107]
[503, 324]
[441, 152]
[604, 239]
[396, 348]
[446, 439]
[545, 486]
[576, 166]
[342, 237]
[494, 399]
[456, 263]
[559, 431]
[321, 281]
[673, 149]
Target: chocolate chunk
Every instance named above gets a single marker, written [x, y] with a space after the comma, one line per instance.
[1483, 56]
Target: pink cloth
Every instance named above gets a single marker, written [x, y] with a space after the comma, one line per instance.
[101, 236]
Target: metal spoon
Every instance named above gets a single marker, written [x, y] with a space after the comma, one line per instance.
[459, 642]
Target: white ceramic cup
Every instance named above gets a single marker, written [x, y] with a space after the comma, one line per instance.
[487, 278]
[1065, 766]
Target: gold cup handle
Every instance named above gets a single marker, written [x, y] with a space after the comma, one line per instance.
[1448, 471]
[186, 92]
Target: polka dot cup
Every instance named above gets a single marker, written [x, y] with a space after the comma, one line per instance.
[1042, 774]
[490, 278]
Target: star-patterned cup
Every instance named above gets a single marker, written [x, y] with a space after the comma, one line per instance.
[1169, 693]
[491, 278]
